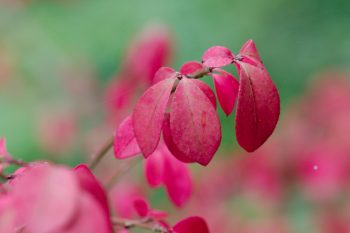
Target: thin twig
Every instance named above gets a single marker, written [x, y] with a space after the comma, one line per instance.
[101, 153]
[200, 73]
[12, 161]
[128, 224]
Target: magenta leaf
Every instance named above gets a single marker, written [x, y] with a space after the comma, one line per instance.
[177, 180]
[170, 143]
[162, 168]
[90, 218]
[125, 144]
[194, 123]
[249, 50]
[164, 73]
[191, 225]
[226, 86]
[91, 185]
[217, 56]
[48, 198]
[191, 67]
[148, 53]
[8, 212]
[148, 115]
[154, 169]
[142, 207]
[258, 107]
[206, 90]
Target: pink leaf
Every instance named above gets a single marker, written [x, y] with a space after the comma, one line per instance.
[226, 87]
[217, 56]
[191, 225]
[191, 67]
[258, 107]
[148, 115]
[162, 168]
[154, 169]
[90, 184]
[90, 217]
[194, 123]
[148, 53]
[48, 198]
[164, 73]
[177, 180]
[7, 214]
[206, 90]
[170, 143]
[125, 144]
[249, 50]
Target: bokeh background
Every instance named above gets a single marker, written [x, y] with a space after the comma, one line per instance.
[58, 57]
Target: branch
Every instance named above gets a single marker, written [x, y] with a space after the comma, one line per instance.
[12, 161]
[101, 153]
[200, 73]
[128, 224]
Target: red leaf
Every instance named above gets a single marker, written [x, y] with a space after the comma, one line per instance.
[125, 144]
[191, 225]
[148, 115]
[217, 56]
[194, 123]
[226, 86]
[142, 207]
[170, 143]
[206, 90]
[191, 67]
[249, 50]
[163, 73]
[258, 107]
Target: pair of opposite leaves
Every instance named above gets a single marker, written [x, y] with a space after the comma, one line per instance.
[184, 109]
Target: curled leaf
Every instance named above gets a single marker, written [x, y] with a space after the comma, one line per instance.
[226, 86]
[217, 56]
[258, 107]
[125, 144]
[194, 123]
[148, 115]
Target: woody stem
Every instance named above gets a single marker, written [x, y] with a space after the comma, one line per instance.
[128, 224]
